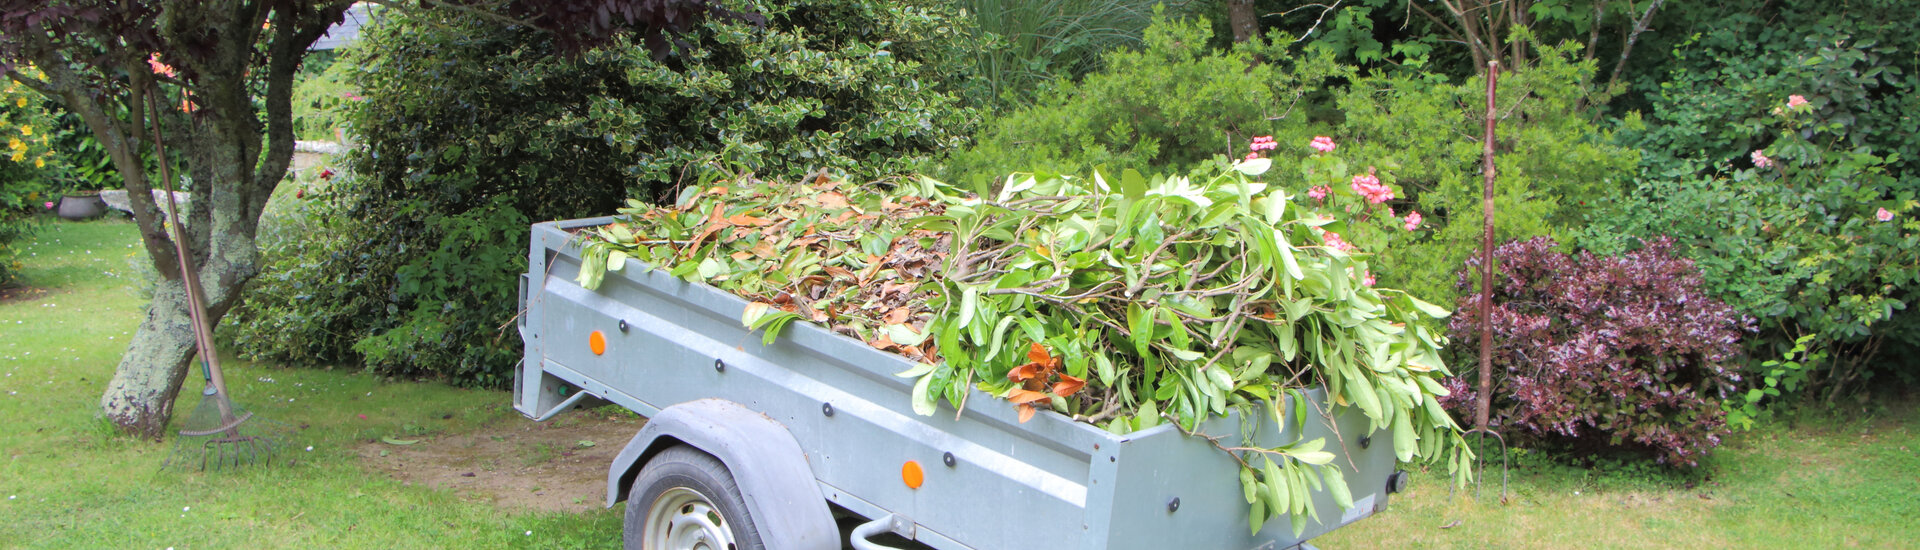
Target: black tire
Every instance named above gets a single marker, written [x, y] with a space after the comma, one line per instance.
[665, 482]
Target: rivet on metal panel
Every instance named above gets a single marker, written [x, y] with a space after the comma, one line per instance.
[826, 409]
[948, 459]
[1173, 505]
[623, 326]
[719, 365]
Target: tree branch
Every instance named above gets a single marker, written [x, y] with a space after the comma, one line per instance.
[1639, 26]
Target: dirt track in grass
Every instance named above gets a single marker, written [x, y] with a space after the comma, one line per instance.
[559, 465]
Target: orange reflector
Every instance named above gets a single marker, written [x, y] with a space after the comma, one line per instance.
[910, 473]
[597, 342]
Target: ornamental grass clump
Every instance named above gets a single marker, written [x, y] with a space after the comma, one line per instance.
[1125, 303]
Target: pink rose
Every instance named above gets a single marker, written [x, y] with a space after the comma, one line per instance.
[1413, 221]
[1883, 215]
[1761, 160]
[1263, 143]
[1335, 242]
[1795, 100]
[1319, 191]
[1368, 279]
[1322, 144]
[1251, 156]
[50, 206]
[1366, 185]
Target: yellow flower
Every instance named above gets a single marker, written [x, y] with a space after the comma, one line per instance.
[19, 156]
[16, 144]
[39, 163]
[26, 130]
[22, 102]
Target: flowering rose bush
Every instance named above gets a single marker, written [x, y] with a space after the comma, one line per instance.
[1815, 239]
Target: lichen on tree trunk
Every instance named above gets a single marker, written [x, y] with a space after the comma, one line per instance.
[139, 399]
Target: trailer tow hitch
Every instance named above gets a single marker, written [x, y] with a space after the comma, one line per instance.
[892, 523]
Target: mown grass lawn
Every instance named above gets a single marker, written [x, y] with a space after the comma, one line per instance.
[68, 482]
[1841, 478]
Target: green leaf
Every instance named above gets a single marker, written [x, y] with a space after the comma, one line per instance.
[904, 335]
[1249, 487]
[753, 313]
[616, 260]
[1430, 310]
[1139, 328]
[1132, 184]
[1286, 256]
[1337, 486]
[969, 302]
[1316, 458]
[919, 369]
[1404, 438]
[924, 403]
[1253, 167]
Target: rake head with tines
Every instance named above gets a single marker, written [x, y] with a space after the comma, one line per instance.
[219, 435]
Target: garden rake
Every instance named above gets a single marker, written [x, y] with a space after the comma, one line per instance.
[218, 434]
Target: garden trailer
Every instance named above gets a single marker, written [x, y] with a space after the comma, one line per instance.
[754, 445]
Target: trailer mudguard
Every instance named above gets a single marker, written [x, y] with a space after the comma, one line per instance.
[765, 460]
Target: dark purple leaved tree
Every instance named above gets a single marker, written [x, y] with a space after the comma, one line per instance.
[222, 72]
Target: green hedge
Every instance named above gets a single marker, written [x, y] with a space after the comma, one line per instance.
[473, 130]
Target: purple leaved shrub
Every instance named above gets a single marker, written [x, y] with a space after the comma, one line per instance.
[1598, 353]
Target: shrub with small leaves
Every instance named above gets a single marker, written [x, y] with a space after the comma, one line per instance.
[1623, 352]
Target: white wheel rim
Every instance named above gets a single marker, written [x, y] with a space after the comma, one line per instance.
[682, 519]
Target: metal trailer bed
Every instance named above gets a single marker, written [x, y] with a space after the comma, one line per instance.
[818, 417]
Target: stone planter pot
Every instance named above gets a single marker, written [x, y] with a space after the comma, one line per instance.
[81, 207]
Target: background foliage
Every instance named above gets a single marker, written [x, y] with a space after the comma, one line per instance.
[1798, 243]
[473, 130]
[24, 126]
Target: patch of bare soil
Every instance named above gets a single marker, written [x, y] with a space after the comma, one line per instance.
[20, 293]
[559, 465]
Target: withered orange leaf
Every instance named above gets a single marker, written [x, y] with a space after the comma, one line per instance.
[883, 343]
[1020, 396]
[1026, 413]
[1068, 385]
[1026, 372]
[838, 272]
[1038, 354]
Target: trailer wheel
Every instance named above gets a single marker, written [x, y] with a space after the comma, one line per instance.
[685, 499]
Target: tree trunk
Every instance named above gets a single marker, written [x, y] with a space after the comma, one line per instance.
[139, 399]
[1241, 16]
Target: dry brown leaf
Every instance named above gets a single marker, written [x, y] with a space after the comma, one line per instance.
[831, 199]
[1026, 413]
[897, 316]
[744, 220]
